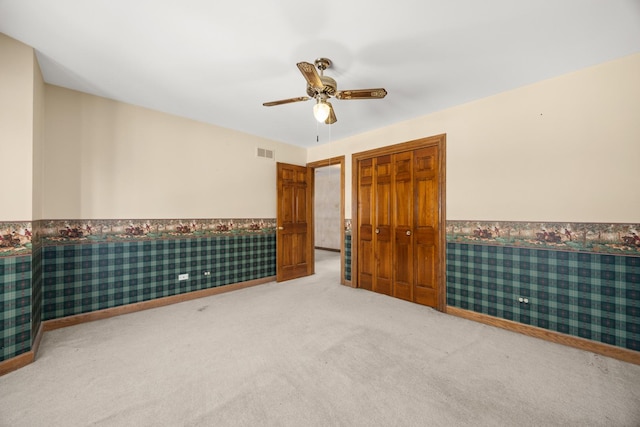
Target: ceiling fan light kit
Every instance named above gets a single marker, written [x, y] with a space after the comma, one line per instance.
[321, 88]
[321, 110]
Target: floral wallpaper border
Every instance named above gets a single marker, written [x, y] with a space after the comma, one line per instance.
[621, 239]
[17, 237]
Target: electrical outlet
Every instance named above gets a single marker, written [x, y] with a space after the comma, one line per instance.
[183, 276]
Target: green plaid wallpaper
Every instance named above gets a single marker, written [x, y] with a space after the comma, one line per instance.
[87, 277]
[15, 306]
[593, 296]
[347, 256]
[36, 290]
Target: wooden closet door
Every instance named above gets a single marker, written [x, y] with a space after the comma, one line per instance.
[382, 243]
[403, 198]
[425, 172]
[365, 224]
[399, 202]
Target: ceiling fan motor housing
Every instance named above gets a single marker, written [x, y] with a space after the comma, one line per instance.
[329, 89]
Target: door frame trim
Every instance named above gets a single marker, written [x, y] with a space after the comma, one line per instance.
[339, 160]
[436, 140]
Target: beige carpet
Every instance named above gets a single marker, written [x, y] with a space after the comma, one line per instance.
[311, 352]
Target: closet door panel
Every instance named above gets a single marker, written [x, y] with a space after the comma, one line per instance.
[366, 264]
[426, 222]
[403, 223]
[383, 224]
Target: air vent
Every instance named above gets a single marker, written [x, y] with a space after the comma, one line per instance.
[265, 153]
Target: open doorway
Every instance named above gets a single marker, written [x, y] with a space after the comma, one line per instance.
[328, 217]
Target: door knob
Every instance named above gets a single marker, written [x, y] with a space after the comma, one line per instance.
[408, 232]
[377, 231]
[280, 228]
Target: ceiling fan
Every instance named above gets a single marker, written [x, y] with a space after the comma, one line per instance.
[321, 88]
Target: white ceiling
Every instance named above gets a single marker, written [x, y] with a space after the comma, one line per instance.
[217, 62]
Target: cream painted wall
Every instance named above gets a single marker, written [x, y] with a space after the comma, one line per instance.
[564, 149]
[108, 160]
[16, 129]
[38, 141]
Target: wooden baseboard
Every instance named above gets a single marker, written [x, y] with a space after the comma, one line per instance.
[17, 362]
[50, 325]
[28, 357]
[614, 352]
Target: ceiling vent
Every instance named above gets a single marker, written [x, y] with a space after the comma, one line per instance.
[265, 153]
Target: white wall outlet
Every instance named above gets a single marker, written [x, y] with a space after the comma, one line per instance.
[183, 276]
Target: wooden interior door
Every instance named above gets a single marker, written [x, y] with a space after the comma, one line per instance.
[294, 237]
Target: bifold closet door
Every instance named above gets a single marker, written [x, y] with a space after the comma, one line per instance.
[375, 245]
[399, 211]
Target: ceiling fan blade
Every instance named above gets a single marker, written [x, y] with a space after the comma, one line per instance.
[286, 101]
[332, 115]
[378, 93]
[311, 75]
